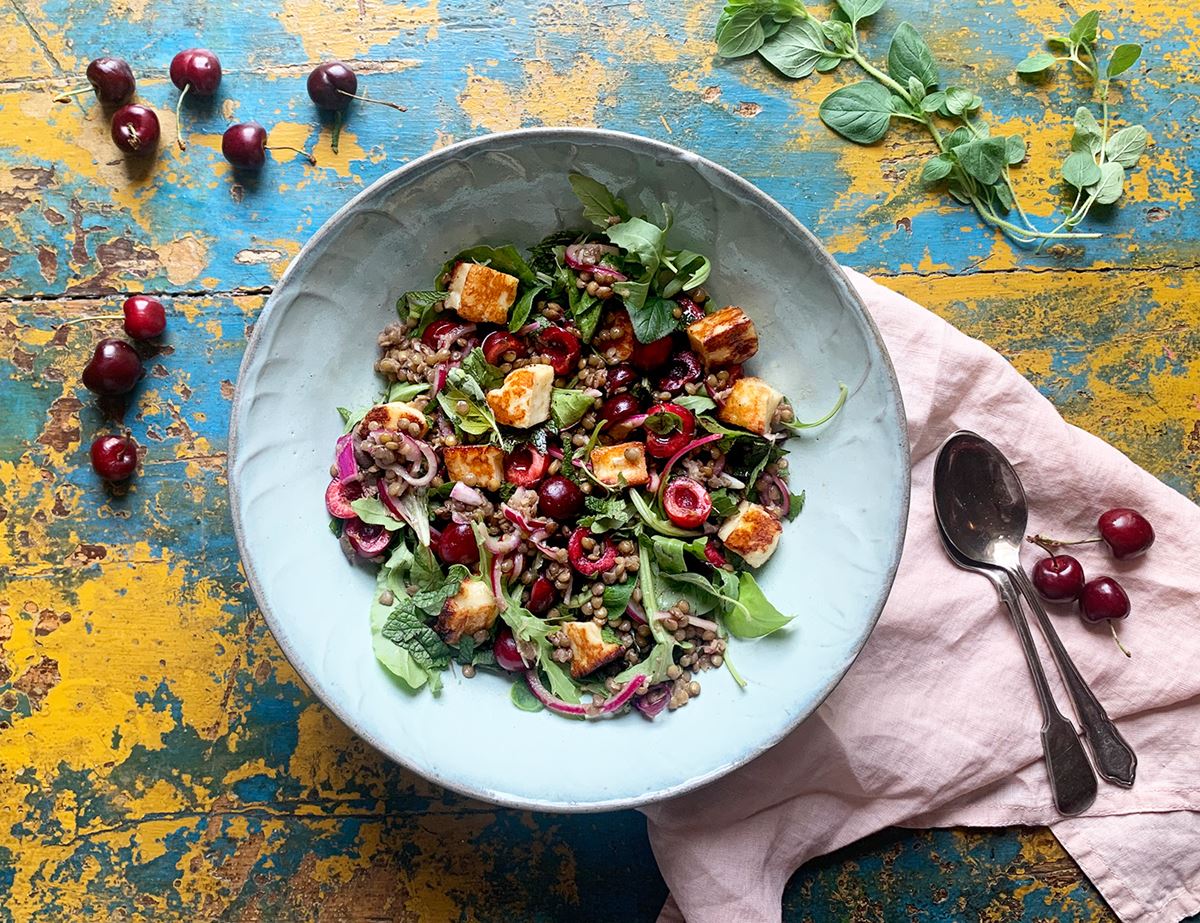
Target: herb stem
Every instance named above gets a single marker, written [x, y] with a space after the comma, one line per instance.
[879, 75]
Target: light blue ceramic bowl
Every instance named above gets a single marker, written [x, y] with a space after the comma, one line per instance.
[313, 349]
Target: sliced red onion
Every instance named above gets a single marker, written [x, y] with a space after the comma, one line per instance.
[468, 495]
[497, 576]
[654, 701]
[518, 560]
[446, 339]
[441, 370]
[346, 465]
[503, 546]
[703, 624]
[520, 520]
[635, 612]
[552, 702]
[783, 498]
[585, 257]
[690, 447]
[652, 484]
[605, 275]
[554, 452]
[538, 540]
[389, 501]
[431, 462]
[621, 699]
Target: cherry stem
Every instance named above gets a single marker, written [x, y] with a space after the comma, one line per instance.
[1046, 547]
[90, 317]
[337, 130]
[287, 147]
[178, 120]
[1113, 625]
[1046, 543]
[65, 96]
[378, 102]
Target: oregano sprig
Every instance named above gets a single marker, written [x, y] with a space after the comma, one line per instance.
[972, 163]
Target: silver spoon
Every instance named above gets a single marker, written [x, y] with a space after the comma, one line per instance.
[1072, 781]
[981, 506]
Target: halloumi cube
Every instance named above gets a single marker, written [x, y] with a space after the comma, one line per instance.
[751, 404]
[473, 608]
[724, 338]
[475, 465]
[752, 532]
[481, 294]
[625, 459]
[589, 650]
[614, 337]
[523, 400]
[396, 415]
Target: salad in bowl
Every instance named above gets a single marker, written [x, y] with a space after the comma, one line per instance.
[572, 473]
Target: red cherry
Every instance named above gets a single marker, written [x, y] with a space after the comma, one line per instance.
[648, 356]
[687, 502]
[563, 348]
[437, 329]
[197, 70]
[1103, 598]
[499, 342]
[669, 428]
[145, 317]
[135, 129]
[683, 369]
[692, 312]
[525, 466]
[508, 655]
[331, 85]
[620, 377]
[1058, 578]
[112, 79]
[115, 368]
[560, 498]
[245, 145]
[114, 458]
[1126, 532]
[542, 596]
[618, 408]
[456, 545]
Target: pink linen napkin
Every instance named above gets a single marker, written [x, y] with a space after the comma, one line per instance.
[936, 724]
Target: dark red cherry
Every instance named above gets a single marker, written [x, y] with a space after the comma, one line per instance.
[115, 368]
[1058, 578]
[683, 369]
[135, 129]
[1126, 532]
[559, 498]
[245, 145]
[562, 346]
[145, 317]
[619, 408]
[499, 342]
[508, 655]
[114, 458]
[542, 596]
[648, 356]
[196, 70]
[456, 544]
[621, 377]
[112, 79]
[331, 85]
[1102, 599]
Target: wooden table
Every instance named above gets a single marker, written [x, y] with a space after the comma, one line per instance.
[159, 759]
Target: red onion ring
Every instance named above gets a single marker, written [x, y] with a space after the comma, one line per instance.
[503, 546]
[453, 334]
[654, 701]
[691, 446]
[468, 495]
[431, 462]
[552, 702]
[520, 520]
[344, 452]
[634, 611]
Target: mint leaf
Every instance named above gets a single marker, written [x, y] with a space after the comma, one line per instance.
[419, 308]
[1084, 30]
[599, 204]
[486, 375]
[860, 112]
[754, 616]
[406, 629]
[740, 33]
[653, 320]
[522, 697]
[909, 56]
[1110, 185]
[1080, 170]
[983, 158]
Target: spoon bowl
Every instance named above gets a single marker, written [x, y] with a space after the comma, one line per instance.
[980, 501]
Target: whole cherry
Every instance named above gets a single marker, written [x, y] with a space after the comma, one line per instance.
[331, 85]
[114, 458]
[111, 79]
[135, 129]
[245, 146]
[195, 70]
[1126, 532]
[115, 368]
[1105, 600]
[1058, 578]
[143, 316]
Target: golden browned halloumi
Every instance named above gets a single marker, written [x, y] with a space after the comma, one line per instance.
[523, 400]
[751, 404]
[475, 465]
[628, 459]
[589, 650]
[724, 338]
[481, 294]
[752, 532]
[396, 415]
[473, 608]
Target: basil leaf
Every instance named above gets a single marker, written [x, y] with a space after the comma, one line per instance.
[1080, 170]
[567, 406]
[505, 259]
[909, 56]
[796, 49]
[599, 204]
[524, 307]
[1084, 30]
[860, 112]
[741, 33]
[753, 616]
[1110, 185]
[654, 320]
[1123, 58]
[1037, 63]
[859, 9]
[983, 158]
[1126, 146]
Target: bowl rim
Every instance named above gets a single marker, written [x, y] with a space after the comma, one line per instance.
[638, 144]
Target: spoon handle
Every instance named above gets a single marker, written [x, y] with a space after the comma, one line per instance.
[1115, 759]
[1072, 781]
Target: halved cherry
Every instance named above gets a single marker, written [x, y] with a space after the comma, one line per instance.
[669, 427]
[542, 596]
[692, 312]
[499, 342]
[524, 466]
[712, 551]
[437, 329]
[590, 567]
[647, 356]
[683, 369]
[562, 346]
[686, 502]
[620, 377]
[508, 655]
[339, 495]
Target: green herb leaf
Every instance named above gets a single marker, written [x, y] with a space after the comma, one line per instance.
[859, 9]
[372, 511]
[655, 522]
[959, 100]
[691, 270]
[916, 90]
[406, 390]
[505, 259]
[754, 616]
[839, 35]
[642, 240]
[424, 570]
[486, 375]
[934, 102]
[983, 158]
[1110, 186]
[1123, 57]
[1084, 30]
[1058, 41]
[1080, 170]
[1014, 149]
[632, 293]
[724, 502]
[524, 307]
[740, 33]
[413, 667]
[937, 168]
[1088, 136]
[1037, 63]
[599, 204]
[696, 403]
[796, 49]
[351, 418]
[1126, 146]
[607, 513]
[797, 505]
[522, 696]
[909, 56]
[653, 320]
[419, 308]
[860, 112]
[567, 406]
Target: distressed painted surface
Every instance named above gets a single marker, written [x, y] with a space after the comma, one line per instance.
[158, 757]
